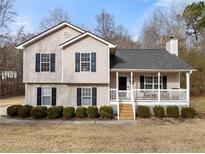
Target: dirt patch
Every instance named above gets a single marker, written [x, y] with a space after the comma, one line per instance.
[150, 135]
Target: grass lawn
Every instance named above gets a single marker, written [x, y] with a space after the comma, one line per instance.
[149, 135]
[198, 103]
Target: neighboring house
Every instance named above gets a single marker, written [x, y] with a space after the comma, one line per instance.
[68, 66]
[8, 75]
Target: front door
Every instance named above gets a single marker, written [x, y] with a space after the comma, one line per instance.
[122, 83]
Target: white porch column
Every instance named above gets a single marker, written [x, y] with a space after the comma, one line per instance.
[158, 86]
[132, 96]
[131, 86]
[117, 84]
[188, 87]
[117, 97]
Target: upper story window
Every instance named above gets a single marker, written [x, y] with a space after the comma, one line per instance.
[45, 62]
[85, 62]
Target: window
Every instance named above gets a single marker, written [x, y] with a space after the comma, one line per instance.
[151, 82]
[46, 96]
[45, 62]
[85, 62]
[86, 96]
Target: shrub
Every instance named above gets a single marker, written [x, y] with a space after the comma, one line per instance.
[92, 112]
[159, 111]
[188, 112]
[143, 112]
[106, 112]
[172, 112]
[69, 112]
[24, 111]
[13, 110]
[55, 112]
[81, 112]
[39, 112]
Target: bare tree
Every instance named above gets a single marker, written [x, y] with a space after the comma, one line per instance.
[55, 16]
[105, 25]
[11, 65]
[117, 34]
[123, 39]
[162, 25]
[7, 15]
[6, 12]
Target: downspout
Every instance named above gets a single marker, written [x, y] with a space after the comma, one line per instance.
[188, 86]
[62, 73]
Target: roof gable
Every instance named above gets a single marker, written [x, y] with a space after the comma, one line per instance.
[82, 36]
[47, 32]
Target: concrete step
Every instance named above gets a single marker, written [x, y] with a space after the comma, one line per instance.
[126, 118]
[126, 105]
[126, 114]
[125, 111]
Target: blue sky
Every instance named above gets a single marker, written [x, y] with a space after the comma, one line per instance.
[129, 13]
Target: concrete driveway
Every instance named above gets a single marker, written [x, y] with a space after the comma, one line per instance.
[6, 102]
[3, 109]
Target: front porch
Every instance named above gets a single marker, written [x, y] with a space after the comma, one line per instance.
[148, 88]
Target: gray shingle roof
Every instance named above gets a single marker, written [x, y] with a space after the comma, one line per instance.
[147, 59]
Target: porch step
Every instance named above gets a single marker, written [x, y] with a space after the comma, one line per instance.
[126, 112]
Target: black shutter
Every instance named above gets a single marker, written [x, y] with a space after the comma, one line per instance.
[38, 56]
[93, 62]
[78, 96]
[53, 96]
[39, 96]
[94, 96]
[141, 82]
[52, 62]
[164, 80]
[77, 62]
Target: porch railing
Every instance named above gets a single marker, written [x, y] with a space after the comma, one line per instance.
[148, 95]
[173, 94]
[152, 96]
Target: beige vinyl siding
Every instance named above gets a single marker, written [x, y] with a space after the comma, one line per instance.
[48, 44]
[66, 95]
[173, 79]
[86, 45]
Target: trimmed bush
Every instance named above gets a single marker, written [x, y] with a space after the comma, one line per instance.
[143, 112]
[172, 111]
[13, 110]
[55, 112]
[92, 112]
[188, 112]
[68, 112]
[24, 111]
[81, 112]
[159, 111]
[39, 112]
[106, 112]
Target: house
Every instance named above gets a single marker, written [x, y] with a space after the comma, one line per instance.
[69, 66]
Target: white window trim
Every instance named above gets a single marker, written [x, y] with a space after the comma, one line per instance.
[80, 62]
[46, 96]
[46, 62]
[91, 92]
[153, 83]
